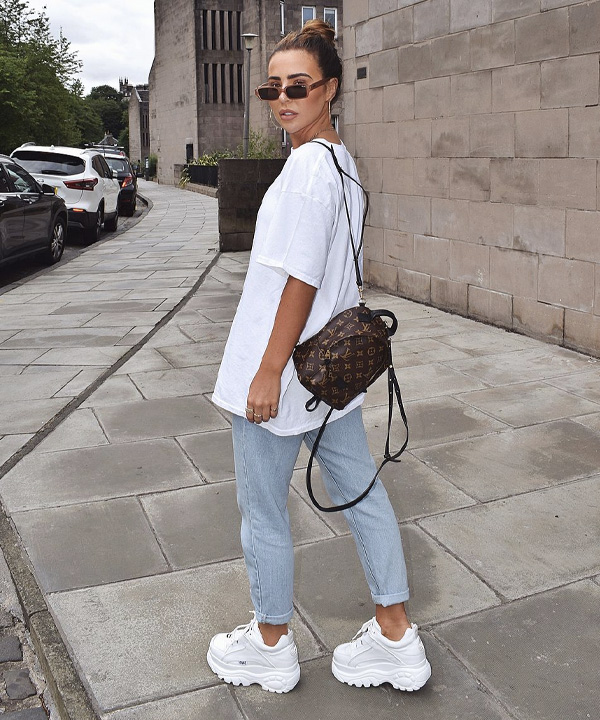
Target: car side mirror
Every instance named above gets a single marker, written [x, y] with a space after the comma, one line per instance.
[48, 189]
[111, 174]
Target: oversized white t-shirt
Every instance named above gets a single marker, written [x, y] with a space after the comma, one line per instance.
[302, 231]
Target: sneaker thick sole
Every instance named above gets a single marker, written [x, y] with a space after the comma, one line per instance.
[271, 679]
[405, 678]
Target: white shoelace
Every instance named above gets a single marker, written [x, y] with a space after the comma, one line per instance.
[364, 629]
[240, 630]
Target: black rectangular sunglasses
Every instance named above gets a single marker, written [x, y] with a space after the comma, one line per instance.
[294, 92]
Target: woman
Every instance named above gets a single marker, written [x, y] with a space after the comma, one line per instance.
[300, 275]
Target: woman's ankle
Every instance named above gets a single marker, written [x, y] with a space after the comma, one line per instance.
[393, 621]
[272, 633]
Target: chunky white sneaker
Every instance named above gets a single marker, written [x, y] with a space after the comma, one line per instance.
[242, 658]
[372, 659]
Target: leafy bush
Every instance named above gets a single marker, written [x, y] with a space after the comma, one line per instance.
[260, 147]
[152, 165]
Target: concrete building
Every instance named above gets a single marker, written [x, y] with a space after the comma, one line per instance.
[139, 124]
[476, 128]
[197, 78]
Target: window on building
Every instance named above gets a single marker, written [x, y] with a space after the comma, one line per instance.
[308, 13]
[206, 84]
[282, 17]
[240, 69]
[330, 16]
[204, 29]
[213, 29]
[221, 29]
[238, 30]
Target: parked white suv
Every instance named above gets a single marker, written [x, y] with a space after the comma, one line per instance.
[82, 178]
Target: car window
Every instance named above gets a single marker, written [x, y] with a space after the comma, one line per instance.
[50, 163]
[4, 186]
[106, 171]
[118, 165]
[100, 166]
[22, 181]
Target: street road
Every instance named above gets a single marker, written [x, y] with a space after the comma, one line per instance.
[23, 270]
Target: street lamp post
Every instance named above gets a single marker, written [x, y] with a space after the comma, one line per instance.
[249, 43]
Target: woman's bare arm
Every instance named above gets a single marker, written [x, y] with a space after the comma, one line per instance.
[294, 308]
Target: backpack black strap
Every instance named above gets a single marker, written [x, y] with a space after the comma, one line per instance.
[393, 390]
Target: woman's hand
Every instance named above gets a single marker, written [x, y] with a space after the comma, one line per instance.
[294, 307]
[263, 397]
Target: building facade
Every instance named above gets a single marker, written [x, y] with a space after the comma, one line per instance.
[475, 124]
[197, 79]
[139, 124]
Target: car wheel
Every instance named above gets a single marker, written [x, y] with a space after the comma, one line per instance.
[92, 234]
[57, 242]
[111, 225]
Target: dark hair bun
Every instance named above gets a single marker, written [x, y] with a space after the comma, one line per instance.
[321, 28]
[318, 38]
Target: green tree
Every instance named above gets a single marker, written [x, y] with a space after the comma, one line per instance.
[40, 96]
[110, 105]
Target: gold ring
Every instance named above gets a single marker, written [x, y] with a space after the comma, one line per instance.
[257, 415]
[275, 409]
[249, 410]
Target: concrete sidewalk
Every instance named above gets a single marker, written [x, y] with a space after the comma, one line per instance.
[126, 507]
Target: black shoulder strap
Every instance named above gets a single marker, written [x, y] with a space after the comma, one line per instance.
[393, 390]
[356, 248]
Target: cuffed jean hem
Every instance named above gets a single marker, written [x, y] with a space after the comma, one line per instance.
[387, 600]
[274, 619]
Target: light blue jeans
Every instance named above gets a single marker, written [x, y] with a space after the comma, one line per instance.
[264, 464]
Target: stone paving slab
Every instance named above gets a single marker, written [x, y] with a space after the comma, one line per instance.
[200, 525]
[524, 365]
[99, 473]
[586, 385]
[502, 541]
[176, 383]
[441, 586]
[538, 656]
[414, 490]
[528, 404]
[146, 639]
[516, 461]
[431, 422]
[166, 417]
[451, 694]
[108, 541]
[39, 387]
[214, 702]
[28, 416]
[80, 429]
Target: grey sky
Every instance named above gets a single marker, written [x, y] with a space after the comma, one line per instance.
[112, 39]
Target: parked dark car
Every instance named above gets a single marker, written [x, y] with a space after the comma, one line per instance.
[122, 169]
[33, 219]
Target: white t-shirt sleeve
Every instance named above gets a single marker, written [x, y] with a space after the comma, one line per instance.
[300, 232]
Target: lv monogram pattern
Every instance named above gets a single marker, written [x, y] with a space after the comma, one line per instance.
[344, 357]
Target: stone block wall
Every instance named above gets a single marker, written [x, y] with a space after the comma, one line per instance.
[476, 128]
[242, 186]
[173, 84]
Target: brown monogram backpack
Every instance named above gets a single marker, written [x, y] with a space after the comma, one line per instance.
[348, 355]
